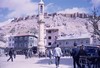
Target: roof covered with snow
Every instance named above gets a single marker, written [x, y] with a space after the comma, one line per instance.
[74, 37]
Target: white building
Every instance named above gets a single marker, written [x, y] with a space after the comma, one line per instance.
[9, 41]
[53, 38]
[21, 41]
[2, 47]
[66, 41]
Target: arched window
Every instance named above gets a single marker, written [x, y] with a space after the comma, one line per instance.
[41, 8]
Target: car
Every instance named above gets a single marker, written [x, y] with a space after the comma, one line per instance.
[91, 50]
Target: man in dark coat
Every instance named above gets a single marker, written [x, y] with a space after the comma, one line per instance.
[75, 55]
[10, 55]
[83, 53]
[98, 60]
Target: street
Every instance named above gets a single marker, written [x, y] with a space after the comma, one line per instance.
[34, 62]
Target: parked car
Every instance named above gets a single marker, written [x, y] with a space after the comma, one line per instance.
[91, 50]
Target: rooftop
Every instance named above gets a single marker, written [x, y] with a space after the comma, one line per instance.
[73, 37]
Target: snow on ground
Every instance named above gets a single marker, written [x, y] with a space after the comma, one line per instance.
[35, 62]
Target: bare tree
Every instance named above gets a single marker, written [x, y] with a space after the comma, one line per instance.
[94, 21]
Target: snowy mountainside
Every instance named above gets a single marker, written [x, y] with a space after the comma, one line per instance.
[29, 25]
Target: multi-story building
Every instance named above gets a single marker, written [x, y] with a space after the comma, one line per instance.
[51, 36]
[2, 48]
[25, 41]
[69, 41]
[20, 42]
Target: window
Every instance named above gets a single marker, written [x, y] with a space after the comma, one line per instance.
[16, 38]
[41, 8]
[26, 38]
[9, 39]
[49, 43]
[21, 44]
[81, 42]
[49, 37]
[55, 42]
[87, 41]
[9, 44]
[66, 42]
[21, 38]
[49, 31]
[59, 43]
[25, 45]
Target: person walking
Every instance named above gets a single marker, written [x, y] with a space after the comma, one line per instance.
[82, 53]
[98, 59]
[10, 55]
[75, 55]
[50, 55]
[57, 54]
[14, 54]
[26, 54]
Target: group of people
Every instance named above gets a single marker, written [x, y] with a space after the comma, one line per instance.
[78, 53]
[57, 53]
[28, 53]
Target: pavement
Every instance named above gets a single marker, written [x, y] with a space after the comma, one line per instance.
[34, 62]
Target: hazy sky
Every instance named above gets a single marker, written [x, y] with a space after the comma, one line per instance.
[18, 8]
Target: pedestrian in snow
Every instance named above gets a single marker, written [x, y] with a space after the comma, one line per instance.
[10, 55]
[98, 61]
[75, 55]
[57, 54]
[26, 54]
[50, 55]
[14, 54]
[82, 52]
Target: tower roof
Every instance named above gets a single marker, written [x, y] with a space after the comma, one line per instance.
[41, 2]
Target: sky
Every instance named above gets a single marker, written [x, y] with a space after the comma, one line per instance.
[19, 8]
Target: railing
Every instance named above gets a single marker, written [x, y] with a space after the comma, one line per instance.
[90, 61]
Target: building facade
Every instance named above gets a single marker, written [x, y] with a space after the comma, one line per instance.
[53, 38]
[2, 48]
[20, 42]
[25, 41]
[65, 42]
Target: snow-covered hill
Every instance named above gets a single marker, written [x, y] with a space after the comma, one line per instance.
[65, 22]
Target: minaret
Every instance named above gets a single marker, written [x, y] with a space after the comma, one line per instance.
[41, 45]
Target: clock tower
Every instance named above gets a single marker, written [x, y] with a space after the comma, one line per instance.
[41, 43]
